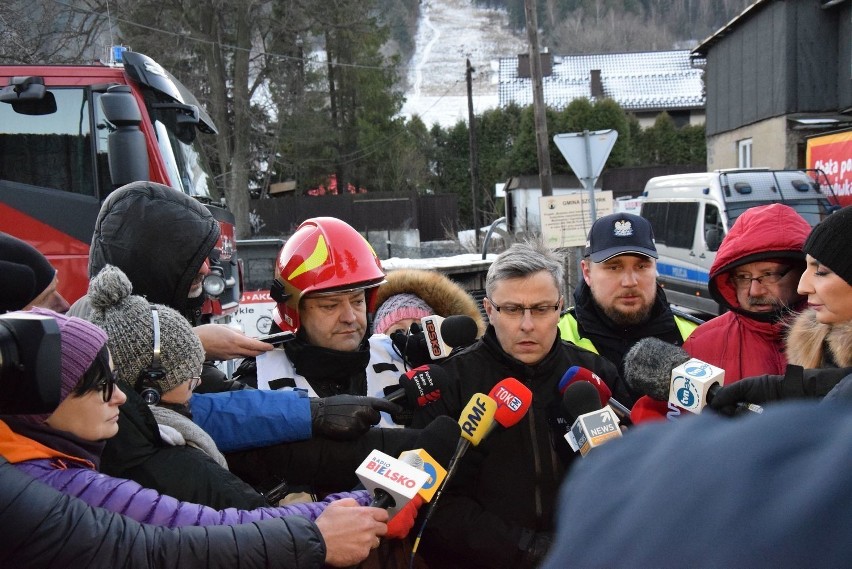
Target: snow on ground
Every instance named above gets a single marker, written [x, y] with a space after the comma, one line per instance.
[449, 33]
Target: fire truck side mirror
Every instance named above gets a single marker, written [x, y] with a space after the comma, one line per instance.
[28, 96]
[128, 153]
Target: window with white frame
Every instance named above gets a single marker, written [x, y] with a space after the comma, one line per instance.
[744, 153]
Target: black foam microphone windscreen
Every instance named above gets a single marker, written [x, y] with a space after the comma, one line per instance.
[648, 366]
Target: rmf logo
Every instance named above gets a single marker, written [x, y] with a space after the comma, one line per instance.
[507, 398]
[477, 412]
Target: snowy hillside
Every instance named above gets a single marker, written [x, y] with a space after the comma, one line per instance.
[449, 33]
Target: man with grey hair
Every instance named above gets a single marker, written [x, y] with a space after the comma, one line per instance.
[498, 510]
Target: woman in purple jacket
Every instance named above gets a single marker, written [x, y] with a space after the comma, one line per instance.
[62, 449]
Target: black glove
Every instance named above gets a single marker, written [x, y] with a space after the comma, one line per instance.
[346, 417]
[412, 346]
[796, 383]
[757, 390]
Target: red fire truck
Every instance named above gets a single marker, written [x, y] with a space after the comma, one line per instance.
[71, 134]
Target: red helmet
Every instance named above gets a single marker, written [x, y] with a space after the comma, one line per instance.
[324, 255]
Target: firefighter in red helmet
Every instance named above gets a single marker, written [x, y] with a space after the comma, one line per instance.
[326, 257]
[326, 277]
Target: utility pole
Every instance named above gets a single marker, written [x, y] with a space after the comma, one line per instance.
[474, 157]
[539, 116]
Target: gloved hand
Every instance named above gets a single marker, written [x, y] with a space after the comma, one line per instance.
[412, 346]
[757, 390]
[403, 521]
[346, 417]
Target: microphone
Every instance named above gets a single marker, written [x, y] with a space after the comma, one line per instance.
[459, 330]
[666, 372]
[592, 424]
[419, 387]
[444, 334]
[577, 373]
[513, 400]
[476, 421]
[392, 482]
[648, 409]
[437, 439]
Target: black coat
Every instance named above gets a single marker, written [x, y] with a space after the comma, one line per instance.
[504, 492]
[43, 528]
[137, 452]
[159, 238]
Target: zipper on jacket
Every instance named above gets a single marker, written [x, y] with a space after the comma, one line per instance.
[536, 463]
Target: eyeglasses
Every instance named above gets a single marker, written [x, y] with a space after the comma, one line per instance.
[744, 281]
[517, 311]
[106, 386]
[193, 383]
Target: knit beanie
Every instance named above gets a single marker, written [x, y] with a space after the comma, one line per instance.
[80, 341]
[399, 307]
[128, 322]
[829, 243]
[24, 273]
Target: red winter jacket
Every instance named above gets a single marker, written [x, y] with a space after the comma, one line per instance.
[743, 343]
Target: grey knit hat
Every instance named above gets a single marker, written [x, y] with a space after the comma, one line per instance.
[829, 243]
[128, 322]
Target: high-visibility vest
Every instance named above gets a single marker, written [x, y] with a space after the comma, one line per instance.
[568, 330]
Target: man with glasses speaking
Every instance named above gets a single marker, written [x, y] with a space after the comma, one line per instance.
[754, 277]
[619, 302]
[498, 510]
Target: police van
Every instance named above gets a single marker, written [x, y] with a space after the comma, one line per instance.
[691, 214]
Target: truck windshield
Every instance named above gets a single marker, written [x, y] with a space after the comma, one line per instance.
[187, 168]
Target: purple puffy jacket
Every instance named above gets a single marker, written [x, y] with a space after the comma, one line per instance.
[149, 506]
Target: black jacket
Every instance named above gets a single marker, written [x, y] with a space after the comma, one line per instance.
[137, 452]
[43, 528]
[159, 238]
[613, 341]
[503, 495]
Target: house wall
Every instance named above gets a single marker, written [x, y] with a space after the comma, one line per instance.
[783, 59]
[774, 145]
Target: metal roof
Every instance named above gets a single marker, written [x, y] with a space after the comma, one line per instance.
[637, 81]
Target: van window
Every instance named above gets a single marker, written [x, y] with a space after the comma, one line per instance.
[680, 224]
[714, 230]
[656, 214]
[51, 151]
[673, 223]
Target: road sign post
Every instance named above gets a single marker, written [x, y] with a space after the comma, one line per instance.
[586, 153]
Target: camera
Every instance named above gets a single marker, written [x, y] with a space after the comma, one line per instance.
[30, 364]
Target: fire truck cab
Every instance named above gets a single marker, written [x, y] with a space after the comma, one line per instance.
[71, 134]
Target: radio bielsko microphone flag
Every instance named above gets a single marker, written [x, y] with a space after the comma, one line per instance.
[392, 482]
[419, 386]
[577, 373]
[592, 424]
[437, 441]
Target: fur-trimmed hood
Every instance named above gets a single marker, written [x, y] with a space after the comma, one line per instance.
[444, 296]
[807, 341]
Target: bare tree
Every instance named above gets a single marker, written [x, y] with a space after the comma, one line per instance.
[51, 32]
